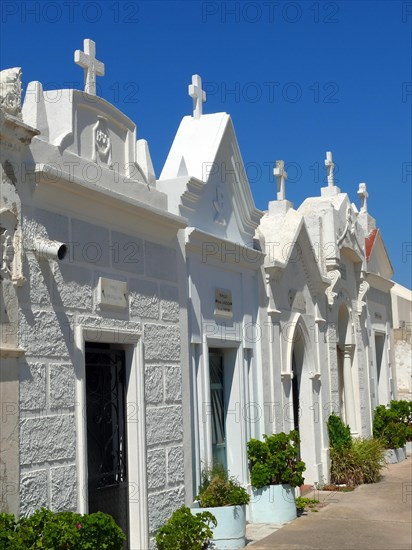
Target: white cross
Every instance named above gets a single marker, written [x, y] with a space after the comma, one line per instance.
[363, 195]
[91, 66]
[281, 176]
[198, 95]
[329, 166]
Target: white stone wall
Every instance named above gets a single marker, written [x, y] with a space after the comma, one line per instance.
[57, 297]
[402, 325]
[403, 360]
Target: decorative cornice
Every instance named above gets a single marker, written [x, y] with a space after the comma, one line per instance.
[13, 130]
[379, 282]
[41, 175]
[191, 196]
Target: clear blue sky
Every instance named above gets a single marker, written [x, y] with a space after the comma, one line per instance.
[298, 78]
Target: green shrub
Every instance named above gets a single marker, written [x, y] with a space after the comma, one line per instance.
[218, 489]
[360, 463]
[274, 461]
[186, 531]
[303, 502]
[402, 410]
[392, 425]
[7, 529]
[369, 453]
[339, 434]
[61, 531]
[99, 530]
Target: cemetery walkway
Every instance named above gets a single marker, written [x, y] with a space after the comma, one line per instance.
[375, 517]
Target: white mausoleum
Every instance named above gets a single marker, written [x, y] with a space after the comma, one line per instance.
[151, 326]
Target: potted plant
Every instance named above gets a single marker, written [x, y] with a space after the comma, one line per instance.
[275, 471]
[226, 499]
[186, 531]
[393, 425]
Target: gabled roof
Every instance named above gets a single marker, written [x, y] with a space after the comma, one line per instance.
[205, 152]
[194, 148]
[377, 257]
[286, 231]
[369, 242]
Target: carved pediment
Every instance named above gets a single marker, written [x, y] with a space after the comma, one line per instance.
[351, 237]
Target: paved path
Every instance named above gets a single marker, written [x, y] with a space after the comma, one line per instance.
[373, 517]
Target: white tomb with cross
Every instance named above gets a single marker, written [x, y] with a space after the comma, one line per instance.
[94, 142]
[92, 67]
[198, 95]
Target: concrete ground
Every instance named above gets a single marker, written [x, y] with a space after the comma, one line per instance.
[373, 517]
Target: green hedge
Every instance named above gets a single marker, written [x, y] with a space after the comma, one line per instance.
[60, 531]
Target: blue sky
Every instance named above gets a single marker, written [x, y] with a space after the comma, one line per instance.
[298, 79]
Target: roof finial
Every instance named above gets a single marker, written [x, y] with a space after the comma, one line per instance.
[198, 95]
[363, 195]
[91, 66]
[281, 177]
[329, 166]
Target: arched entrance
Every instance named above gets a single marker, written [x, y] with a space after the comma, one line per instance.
[305, 401]
[345, 355]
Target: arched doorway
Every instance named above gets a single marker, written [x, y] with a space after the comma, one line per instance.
[305, 402]
[345, 355]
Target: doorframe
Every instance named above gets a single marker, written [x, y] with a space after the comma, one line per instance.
[309, 376]
[381, 376]
[131, 343]
[202, 383]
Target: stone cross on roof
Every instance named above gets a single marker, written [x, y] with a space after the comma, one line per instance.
[363, 195]
[329, 166]
[198, 95]
[91, 66]
[281, 176]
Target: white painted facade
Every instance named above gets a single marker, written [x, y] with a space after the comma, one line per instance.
[231, 322]
[121, 284]
[220, 260]
[402, 331]
[320, 361]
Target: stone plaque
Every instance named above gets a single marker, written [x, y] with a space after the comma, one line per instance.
[111, 293]
[223, 303]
